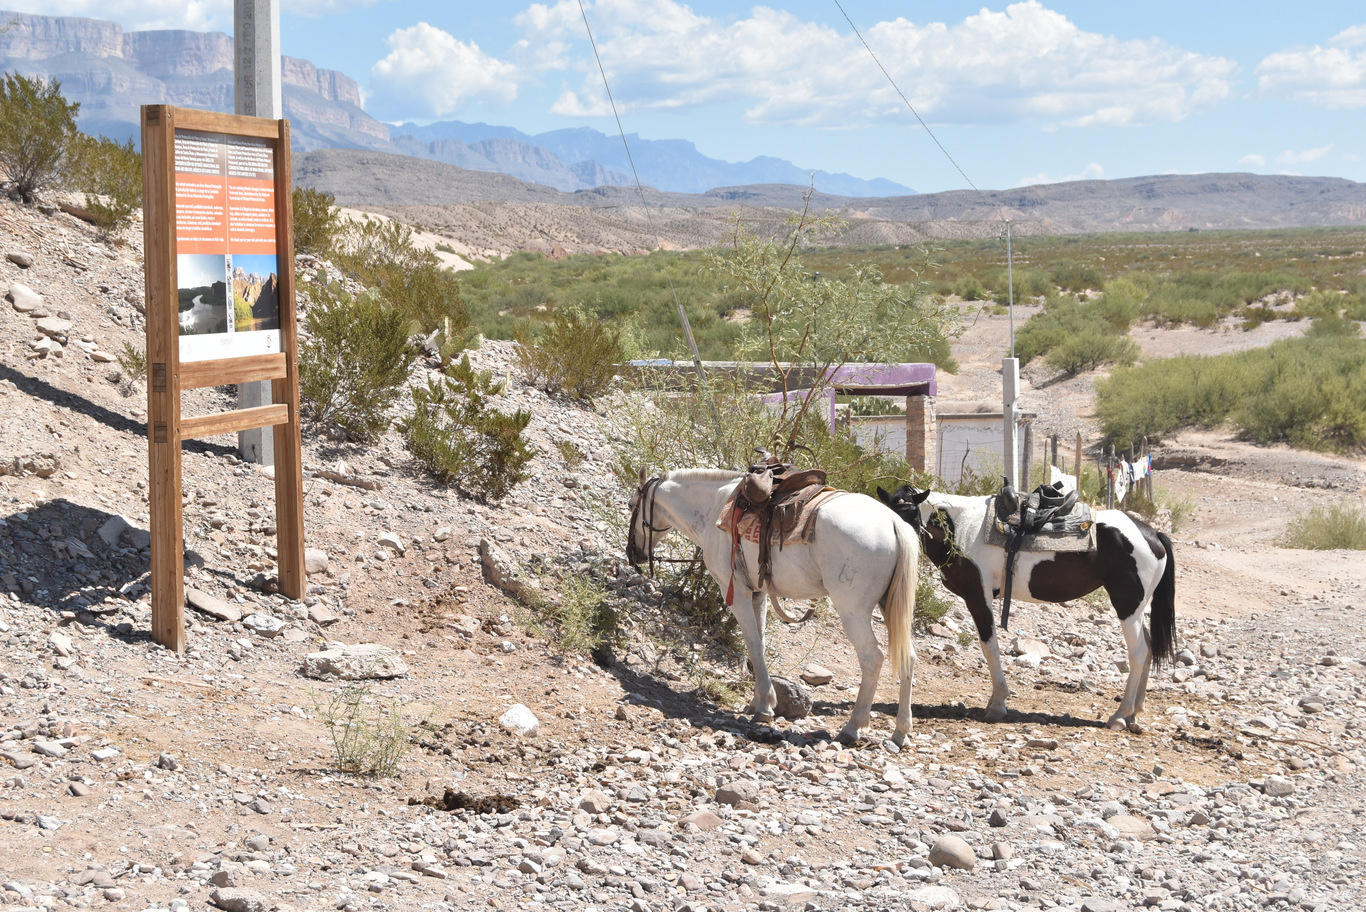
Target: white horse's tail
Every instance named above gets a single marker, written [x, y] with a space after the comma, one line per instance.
[898, 606]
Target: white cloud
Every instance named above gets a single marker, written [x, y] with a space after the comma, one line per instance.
[1026, 63]
[1328, 77]
[431, 72]
[1253, 160]
[1305, 157]
[1092, 171]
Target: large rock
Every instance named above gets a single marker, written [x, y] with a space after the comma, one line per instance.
[952, 852]
[355, 663]
[1131, 827]
[25, 299]
[520, 721]
[794, 700]
[240, 899]
[54, 328]
[119, 529]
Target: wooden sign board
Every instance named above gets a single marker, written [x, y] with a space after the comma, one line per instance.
[219, 268]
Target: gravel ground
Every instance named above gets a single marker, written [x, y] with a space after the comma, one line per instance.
[133, 778]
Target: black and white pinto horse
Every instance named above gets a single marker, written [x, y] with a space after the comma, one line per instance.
[860, 555]
[1131, 560]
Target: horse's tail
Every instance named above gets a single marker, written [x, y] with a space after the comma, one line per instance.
[898, 607]
[1162, 616]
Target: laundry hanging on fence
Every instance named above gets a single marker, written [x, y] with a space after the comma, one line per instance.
[1069, 482]
[1124, 475]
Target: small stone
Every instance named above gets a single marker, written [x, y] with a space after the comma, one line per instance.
[441, 534]
[1001, 851]
[733, 793]
[1131, 827]
[952, 852]
[595, 802]
[315, 561]
[265, 625]
[392, 541]
[213, 606]
[1278, 787]
[239, 899]
[19, 258]
[997, 818]
[520, 721]
[816, 675]
[751, 857]
[704, 820]
[1028, 646]
[362, 661]
[322, 616]
[54, 328]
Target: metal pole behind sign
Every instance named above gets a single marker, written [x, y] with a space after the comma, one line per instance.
[257, 93]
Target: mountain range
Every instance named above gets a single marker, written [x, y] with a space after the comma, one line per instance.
[112, 72]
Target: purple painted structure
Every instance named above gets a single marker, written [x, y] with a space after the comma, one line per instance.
[871, 379]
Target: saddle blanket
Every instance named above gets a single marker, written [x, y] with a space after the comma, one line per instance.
[796, 530]
[1074, 532]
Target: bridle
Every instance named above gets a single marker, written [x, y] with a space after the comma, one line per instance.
[643, 510]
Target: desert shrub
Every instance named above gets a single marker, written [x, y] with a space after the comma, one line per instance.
[1332, 325]
[1029, 283]
[1089, 349]
[1071, 275]
[1328, 528]
[316, 221]
[380, 254]
[110, 176]
[582, 621]
[355, 361]
[1121, 304]
[458, 436]
[930, 604]
[37, 132]
[574, 354]
[1308, 392]
[970, 288]
[368, 738]
[133, 362]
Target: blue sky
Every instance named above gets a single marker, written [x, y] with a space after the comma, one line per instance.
[1020, 93]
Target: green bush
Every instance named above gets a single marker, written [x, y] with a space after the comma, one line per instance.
[37, 132]
[355, 362]
[1089, 349]
[575, 355]
[1328, 529]
[316, 221]
[110, 176]
[368, 738]
[458, 436]
[1308, 392]
[380, 254]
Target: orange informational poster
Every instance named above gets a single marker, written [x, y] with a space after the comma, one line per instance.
[226, 246]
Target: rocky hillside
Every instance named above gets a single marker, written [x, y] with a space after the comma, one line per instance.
[133, 779]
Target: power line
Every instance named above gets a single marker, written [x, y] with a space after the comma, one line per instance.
[909, 105]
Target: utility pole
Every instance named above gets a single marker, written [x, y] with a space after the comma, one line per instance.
[257, 93]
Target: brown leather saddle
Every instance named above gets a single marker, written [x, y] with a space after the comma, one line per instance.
[778, 496]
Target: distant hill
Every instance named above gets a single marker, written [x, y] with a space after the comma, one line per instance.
[498, 213]
[112, 73]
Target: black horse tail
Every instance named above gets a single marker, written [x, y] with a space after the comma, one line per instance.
[1162, 616]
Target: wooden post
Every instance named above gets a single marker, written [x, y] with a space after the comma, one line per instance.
[1078, 460]
[1028, 456]
[163, 387]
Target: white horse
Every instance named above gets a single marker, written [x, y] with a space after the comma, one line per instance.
[860, 555]
[1133, 562]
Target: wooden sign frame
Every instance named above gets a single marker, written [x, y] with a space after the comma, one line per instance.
[168, 376]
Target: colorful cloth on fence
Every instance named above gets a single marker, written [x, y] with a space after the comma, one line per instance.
[1124, 475]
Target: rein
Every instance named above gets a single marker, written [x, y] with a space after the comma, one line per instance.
[644, 511]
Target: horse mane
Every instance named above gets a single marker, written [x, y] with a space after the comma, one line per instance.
[700, 475]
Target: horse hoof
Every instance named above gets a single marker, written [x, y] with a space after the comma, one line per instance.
[894, 743]
[763, 718]
[996, 715]
[1117, 723]
[1136, 728]
[846, 738]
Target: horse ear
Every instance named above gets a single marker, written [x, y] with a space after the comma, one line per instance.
[642, 475]
[883, 495]
[919, 498]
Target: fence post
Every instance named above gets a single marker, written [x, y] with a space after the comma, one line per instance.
[1078, 460]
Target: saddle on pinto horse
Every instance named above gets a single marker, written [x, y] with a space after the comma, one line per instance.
[1047, 519]
[774, 502]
